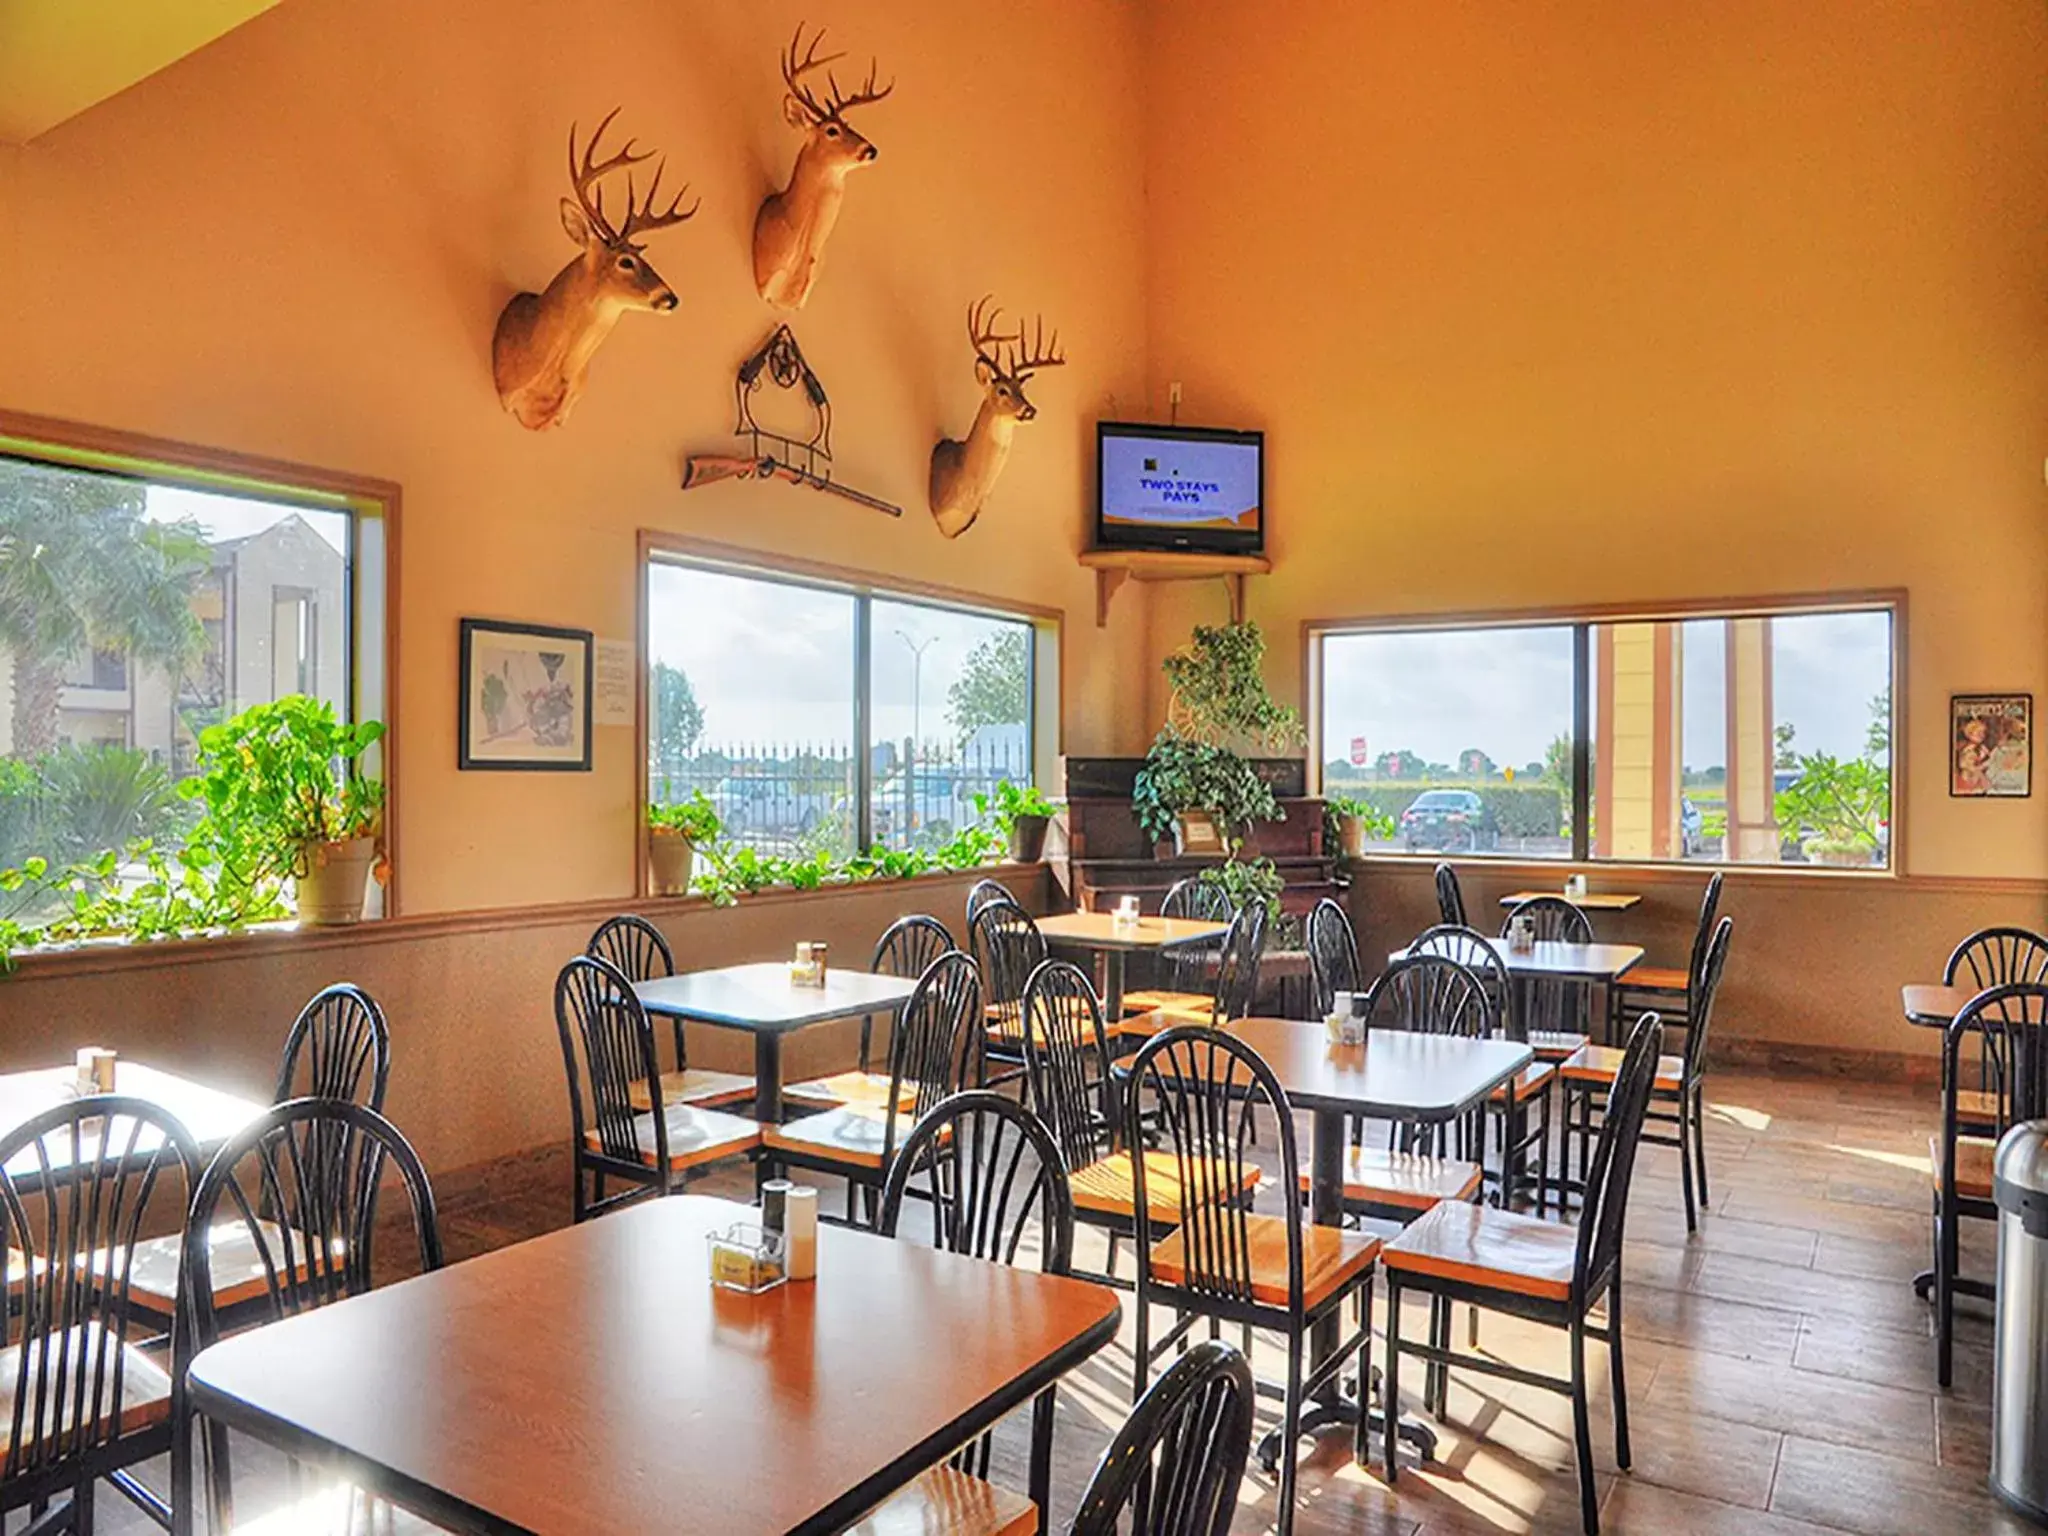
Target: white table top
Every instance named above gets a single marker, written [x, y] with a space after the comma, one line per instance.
[208, 1115]
[761, 999]
[1578, 962]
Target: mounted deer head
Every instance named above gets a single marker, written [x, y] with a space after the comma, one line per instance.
[791, 229]
[964, 473]
[545, 341]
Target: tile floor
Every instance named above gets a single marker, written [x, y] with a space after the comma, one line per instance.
[1781, 1370]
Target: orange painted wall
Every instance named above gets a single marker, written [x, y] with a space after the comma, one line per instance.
[1566, 302]
[296, 242]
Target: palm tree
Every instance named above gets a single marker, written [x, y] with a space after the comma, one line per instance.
[82, 568]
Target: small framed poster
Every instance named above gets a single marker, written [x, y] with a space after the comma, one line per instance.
[526, 691]
[1991, 745]
[1198, 833]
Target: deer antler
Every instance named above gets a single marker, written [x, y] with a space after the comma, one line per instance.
[586, 176]
[837, 102]
[1023, 364]
[641, 217]
[982, 333]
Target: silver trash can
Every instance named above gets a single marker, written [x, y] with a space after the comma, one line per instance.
[2019, 1389]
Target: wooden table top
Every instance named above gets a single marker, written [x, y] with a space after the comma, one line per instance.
[1935, 1007]
[1576, 962]
[209, 1116]
[1394, 1075]
[1099, 930]
[593, 1380]
[762, 999]
[1592, 901]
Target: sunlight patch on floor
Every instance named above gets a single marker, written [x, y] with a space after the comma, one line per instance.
[1902, 1160]
[1736, 1114]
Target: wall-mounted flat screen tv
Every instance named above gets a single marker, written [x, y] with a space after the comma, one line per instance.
[1179, 488]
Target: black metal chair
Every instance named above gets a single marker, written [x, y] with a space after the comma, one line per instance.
[937, 1050]
[905, 950]
[636, 948]
[1332, 954]
[993, 1180]
[2008, 1023]
[1534, 1269]
[1237, 980]
[339, 1047]
[1450, 900]
[1070, 1088]
[1008, 947]
[1185, 976]
[1997, 957]
[1554, 1004]
[1667, 989]
[1223, 1261]
[1175, 1466]
[79, 1184]
[981, 893]
[307, 1176]
[607, 1054]
[1681, 1083]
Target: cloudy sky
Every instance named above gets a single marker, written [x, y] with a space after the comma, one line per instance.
[774, 663]
[1509, 691]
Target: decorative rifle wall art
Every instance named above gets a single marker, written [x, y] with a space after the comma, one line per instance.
[544, 341]
[963, 473]
[770, 455]
[793, 225]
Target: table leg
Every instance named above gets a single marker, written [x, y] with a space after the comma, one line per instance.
[1335, 1406]
[768, 1077]
[1112, 986]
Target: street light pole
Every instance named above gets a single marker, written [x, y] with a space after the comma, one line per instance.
[917, 650]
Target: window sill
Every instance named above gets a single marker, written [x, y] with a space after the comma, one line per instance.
[106, 956]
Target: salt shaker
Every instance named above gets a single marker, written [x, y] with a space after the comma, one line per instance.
[802, 1212]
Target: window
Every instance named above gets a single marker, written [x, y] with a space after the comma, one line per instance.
[1755, 736]
[824, 716]
[140, 603]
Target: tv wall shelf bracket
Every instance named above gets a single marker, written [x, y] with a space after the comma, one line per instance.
[1113, 567]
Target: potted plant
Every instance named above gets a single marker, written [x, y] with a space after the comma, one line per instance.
[1021, 814]
[1836, 810]
[1348, 820]
[676, 829]
[286, 794]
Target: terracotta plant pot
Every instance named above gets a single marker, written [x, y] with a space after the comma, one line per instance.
[1027, 838]
[336, 881]
[1351, 837]
[669, 860]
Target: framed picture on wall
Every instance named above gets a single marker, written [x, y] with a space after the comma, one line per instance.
[1991, 745]
[525, 697]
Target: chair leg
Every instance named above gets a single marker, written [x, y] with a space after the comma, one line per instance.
[1431, 1370]
[1361, 1450]
[1946, 1244]
[1621, 1449]
[1699, 1136]
[1582, 1431]
[1141, 1363]
[1390, 1383]
[1543, 1156]
[1290, 1431]
[1443, 1372]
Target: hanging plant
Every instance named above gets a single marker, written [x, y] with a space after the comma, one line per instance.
[1219, 695]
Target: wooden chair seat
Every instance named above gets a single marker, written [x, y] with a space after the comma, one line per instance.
[339, 1509]
[696, 1085]
[1556, 1045]
[145, 1389]
[1973, 1165]
[1407, 1180]
[1146, 1025]
[694, 1136]
[948, 1502]
[1976, 1109]
[238, 1264]
[869, 1089]
[851, 1134]
[1601, 1064]
[1150, 1001]
[1331, 1258]
[1656, 978]
[1477, 1244]
[1529, 1082]
[1109, 1186]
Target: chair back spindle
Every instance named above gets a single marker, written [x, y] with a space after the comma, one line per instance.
[1237, 967]
[1450, 900]
[1008, 947]
[607, 1047]
[1482, 957]
[338, 1037]
[1430, 994]
[634, 945]
[1066, 1062]
[1604, 1214]
[1332, 954]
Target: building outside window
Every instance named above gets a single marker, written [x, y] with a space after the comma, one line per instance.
[827, 717]
[1762, 736]
[136, 611]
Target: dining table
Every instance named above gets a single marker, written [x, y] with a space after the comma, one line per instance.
[1102, 934]
[1559, 960]
[1585, 901]
[760, 999]
[1397, 1075]
[595, 1381]
[209, 1115]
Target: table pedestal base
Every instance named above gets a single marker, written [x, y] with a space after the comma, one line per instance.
[1340, 1411]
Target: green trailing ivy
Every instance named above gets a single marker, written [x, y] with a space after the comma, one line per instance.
[1182, 775]
[731, 871]
[1011, 802]
[1219, 695]
[695, 819]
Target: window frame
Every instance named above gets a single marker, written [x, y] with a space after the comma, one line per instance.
[373, 508]
[1046, 624]
[1583, 620]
